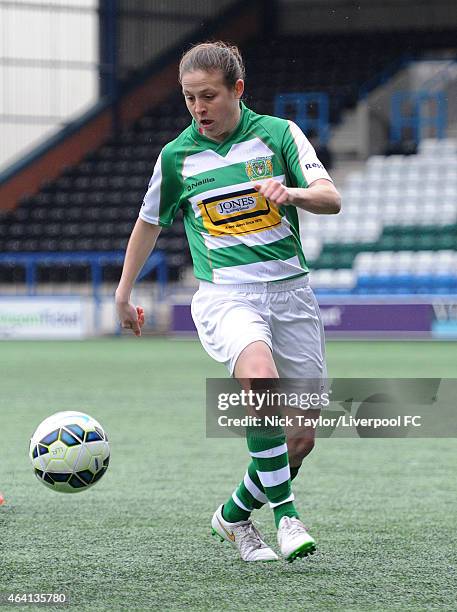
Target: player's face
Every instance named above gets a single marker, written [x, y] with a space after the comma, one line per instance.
[214, 106]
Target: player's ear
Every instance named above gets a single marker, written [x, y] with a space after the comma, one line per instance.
[239, 88]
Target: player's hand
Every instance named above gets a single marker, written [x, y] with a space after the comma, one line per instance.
[130, 317]
[274, 191]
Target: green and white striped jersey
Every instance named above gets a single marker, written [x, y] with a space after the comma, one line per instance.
[235, 234]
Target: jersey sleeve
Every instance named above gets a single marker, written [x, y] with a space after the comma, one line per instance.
[162, 199]
[302, 162]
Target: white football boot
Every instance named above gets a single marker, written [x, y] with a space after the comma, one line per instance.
[293, 539]
[244, 535]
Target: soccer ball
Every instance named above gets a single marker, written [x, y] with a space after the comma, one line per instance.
[69, 452]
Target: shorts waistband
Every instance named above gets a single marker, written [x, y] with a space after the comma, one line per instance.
[267, 287]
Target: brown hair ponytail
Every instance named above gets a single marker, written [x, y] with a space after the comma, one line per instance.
[212, 56]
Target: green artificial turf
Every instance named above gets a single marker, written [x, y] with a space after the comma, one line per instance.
[383, 511]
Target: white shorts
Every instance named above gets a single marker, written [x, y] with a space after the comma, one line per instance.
[283, 314]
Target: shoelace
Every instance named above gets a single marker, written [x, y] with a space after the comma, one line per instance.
[294, 527]
[249, 537]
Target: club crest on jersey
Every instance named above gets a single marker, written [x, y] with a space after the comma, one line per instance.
[259, 168]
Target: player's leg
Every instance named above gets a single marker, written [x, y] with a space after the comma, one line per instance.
[298, 348]
[299, 354]
[256, 370]
[250, 495]
[234, 515]
[301, 443]
[226, 323]
[256, 360]
[269, 453]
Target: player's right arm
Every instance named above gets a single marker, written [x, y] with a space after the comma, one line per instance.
[141, 243]
[158, 209]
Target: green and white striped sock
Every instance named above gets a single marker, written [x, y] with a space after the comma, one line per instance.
[268, 449]
[245, 498]
[248, 496]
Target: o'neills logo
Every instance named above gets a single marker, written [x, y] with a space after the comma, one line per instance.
[198, 183]
[228, 207]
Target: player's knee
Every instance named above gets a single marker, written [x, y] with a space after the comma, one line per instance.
[262, 369]
[256, 362]
[299, 448]
[260, 366]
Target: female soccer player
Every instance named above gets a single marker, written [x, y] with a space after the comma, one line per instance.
[239, 178]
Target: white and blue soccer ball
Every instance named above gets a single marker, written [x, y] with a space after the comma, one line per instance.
[69, 452]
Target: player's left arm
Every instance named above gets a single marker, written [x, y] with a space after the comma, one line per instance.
[311, 187]
[320, 197]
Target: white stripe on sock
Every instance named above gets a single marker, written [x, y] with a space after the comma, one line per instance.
[254, 489]
[289, 499]
[274, 478]
[239, 503]
[271, 452]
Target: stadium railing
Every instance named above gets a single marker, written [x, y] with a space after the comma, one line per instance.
[95, 260]
[301, 107]
[411, 110]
